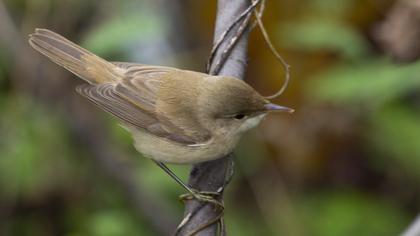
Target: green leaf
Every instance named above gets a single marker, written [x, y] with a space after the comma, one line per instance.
[123, 31]
[336, 8]
[35, 152]
[395, 133]
[316, 35]
[349, 214]
[114, 223]
[372, 83]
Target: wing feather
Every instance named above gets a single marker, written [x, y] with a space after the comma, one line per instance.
[133, 101]
[105, 97]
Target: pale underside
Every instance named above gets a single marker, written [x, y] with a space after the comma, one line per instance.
[168, 151]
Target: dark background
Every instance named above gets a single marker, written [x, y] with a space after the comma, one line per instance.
[347, 162]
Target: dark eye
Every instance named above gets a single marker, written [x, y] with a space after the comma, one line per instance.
[239, 116]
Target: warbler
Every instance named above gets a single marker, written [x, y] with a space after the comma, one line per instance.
[175, 116]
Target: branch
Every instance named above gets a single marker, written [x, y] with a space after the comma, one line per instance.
[227, 11]
[398, 35]
[213, 176]
[9, 34]
[414, 228]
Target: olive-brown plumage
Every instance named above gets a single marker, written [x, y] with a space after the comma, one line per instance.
[174, 115]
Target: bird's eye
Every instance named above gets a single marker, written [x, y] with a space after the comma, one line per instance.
[239, 116]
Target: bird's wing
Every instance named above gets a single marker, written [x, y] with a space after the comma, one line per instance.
[133, 100]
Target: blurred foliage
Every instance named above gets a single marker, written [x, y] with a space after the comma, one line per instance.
[122, 30]
[358, 214]
[26, 166]
[347, 162]
[317, 35]
[373, 83]
[395, 133]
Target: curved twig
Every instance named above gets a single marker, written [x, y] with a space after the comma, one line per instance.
[275, 53]
[223, 36]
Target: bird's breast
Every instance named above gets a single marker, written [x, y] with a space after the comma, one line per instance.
[164, 150]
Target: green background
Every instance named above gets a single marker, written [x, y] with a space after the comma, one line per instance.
[347, 162]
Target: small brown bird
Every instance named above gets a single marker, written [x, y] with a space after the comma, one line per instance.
[175, 116]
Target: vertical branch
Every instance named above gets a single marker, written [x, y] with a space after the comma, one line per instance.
[413, 229]
[227, 12]
[213, 176]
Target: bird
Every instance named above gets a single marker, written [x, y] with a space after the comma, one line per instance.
[174, 115]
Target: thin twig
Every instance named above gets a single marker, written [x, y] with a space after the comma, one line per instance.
[207, 224]
[186, 220]
[223, 36]
[260, 13]
[276, 54]
[241, 29]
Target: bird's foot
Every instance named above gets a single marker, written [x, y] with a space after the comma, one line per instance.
[204, 196]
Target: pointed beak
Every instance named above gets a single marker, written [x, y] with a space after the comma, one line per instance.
[274, 107]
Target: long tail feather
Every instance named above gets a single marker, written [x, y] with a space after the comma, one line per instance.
[74, 58]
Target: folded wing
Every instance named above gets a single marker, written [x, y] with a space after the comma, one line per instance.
[133, 101]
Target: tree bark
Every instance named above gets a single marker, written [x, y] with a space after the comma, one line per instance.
[213, 175]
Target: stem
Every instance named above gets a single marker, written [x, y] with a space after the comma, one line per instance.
[213, 176]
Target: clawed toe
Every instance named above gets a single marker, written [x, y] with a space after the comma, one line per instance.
[204, 196]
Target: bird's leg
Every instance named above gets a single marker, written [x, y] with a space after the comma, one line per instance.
[193, 193]
[173, 176]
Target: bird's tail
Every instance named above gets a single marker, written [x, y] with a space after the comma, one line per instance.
[74, 58]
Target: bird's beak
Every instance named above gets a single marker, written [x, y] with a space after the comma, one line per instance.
[274, 107]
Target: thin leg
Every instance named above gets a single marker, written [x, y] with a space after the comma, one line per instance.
[201, 196]
[173, 175]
